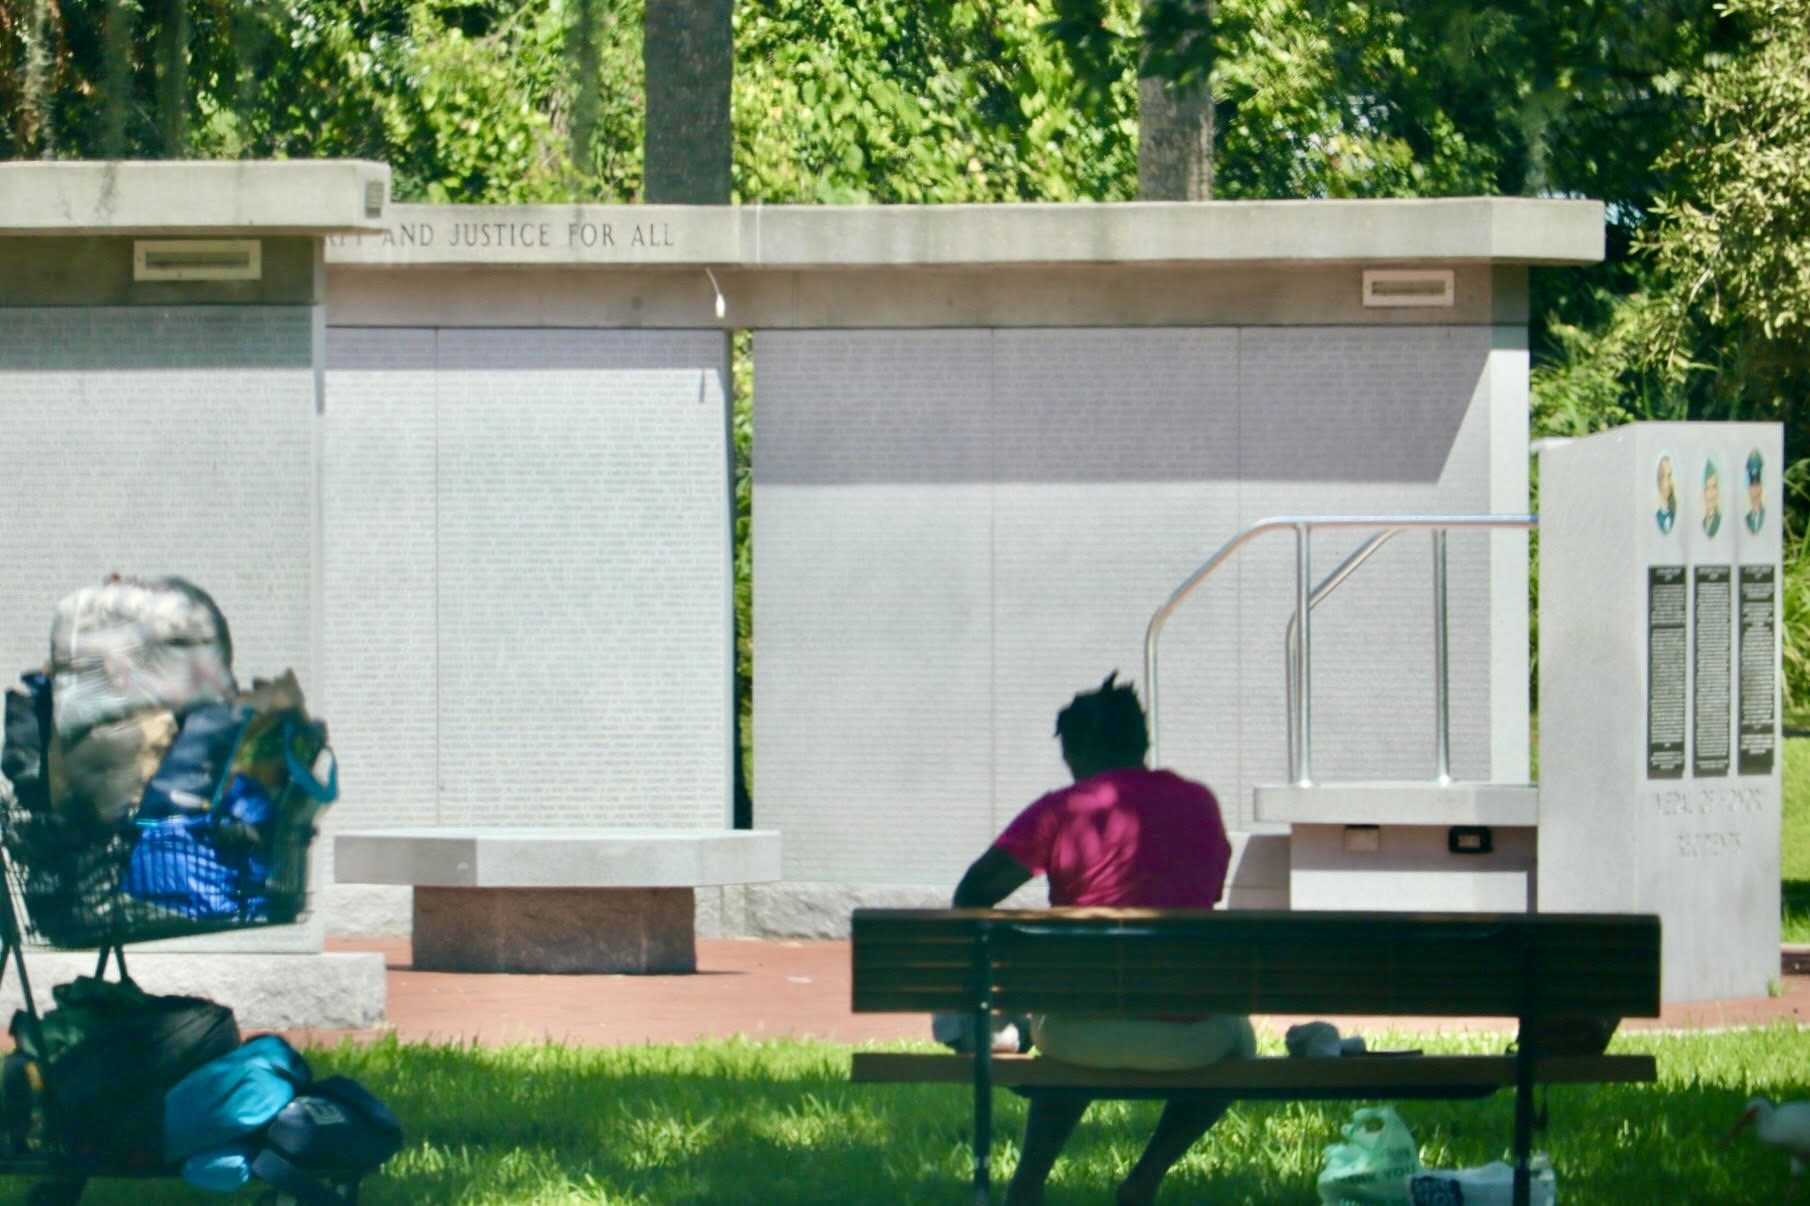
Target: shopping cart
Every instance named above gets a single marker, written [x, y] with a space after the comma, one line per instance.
[103, 887]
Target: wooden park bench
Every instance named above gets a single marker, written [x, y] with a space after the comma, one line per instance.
[1568, 979]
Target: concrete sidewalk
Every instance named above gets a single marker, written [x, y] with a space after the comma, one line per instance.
[796, 989]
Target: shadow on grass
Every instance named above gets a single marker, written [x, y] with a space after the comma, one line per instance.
[779, 1122]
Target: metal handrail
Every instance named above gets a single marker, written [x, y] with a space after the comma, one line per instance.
[1331, 583]
[1303, 527]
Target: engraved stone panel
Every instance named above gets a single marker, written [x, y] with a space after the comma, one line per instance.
[582, 529]
[381, 575]
[157, 441]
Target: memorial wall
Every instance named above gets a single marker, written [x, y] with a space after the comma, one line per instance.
[988, 442]
[1659, 691]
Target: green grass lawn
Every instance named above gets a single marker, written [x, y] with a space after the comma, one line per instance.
[1794, 842]
[779, 1122]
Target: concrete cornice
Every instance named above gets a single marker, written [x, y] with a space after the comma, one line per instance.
[193, 198]
[1498, 230]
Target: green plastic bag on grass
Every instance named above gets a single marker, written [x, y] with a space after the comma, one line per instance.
[1372, 1166]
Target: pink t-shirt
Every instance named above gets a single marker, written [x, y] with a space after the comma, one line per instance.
[1132, 837]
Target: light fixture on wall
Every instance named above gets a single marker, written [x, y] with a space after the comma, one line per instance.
[721, 307]
[1408, 287]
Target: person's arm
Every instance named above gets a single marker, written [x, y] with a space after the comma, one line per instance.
[994, 876]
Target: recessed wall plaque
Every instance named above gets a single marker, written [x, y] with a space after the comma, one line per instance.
[197, 260]
[1408, 287]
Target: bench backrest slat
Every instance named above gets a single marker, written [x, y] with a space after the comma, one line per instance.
[1143, 963]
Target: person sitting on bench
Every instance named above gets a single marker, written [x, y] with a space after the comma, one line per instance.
[1127, 836]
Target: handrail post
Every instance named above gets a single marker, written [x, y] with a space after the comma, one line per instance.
[1442, 700]
[1303, 658]
[1150, 710]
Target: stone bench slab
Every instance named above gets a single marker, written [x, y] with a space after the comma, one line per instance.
[574, 901]
[483, 857]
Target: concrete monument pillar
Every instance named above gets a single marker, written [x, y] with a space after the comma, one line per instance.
[1660, 764]
[161, 355]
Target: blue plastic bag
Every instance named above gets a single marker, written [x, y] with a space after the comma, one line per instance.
[194, 770]
[209, 864]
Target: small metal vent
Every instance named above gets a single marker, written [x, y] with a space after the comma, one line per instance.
[1408, 287]
[197, 260]
[376, 193]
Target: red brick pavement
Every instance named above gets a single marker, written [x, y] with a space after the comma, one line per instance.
[776, 989]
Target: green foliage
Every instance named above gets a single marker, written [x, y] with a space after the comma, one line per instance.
[741, 436]
[918, 101]
[1368, 98]
[1731, 247]
[1794, 840]
[468, 102]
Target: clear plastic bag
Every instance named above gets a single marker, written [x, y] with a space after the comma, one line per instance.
[1491, 1185]
[132, 644]
[1373, 1165]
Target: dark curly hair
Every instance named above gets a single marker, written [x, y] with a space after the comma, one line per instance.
[1104, 727]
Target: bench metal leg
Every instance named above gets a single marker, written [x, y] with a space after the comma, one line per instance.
[982, 1037]
[1523, 1124]
[983, 1118]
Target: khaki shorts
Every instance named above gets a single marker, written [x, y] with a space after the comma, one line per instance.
[1143, 1044]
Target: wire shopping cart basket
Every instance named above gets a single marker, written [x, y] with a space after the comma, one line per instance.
[239, 861]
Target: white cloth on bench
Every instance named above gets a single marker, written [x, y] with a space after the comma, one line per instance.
[1144, 1044]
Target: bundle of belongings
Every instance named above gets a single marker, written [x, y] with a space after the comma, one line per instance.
[143, 772]
[124, 1081]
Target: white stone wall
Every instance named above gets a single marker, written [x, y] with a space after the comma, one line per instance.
[956, 530]
[164, 440]
[527, 577]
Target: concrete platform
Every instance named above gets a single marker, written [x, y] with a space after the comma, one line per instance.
[1400, 803]
[556, 900]
[342, 989]
[1387, 845]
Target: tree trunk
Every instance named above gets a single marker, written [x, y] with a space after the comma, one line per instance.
[173, 79]
[1175, 133]
[36, 130]
[586, 59]
[688, 50]
[115, 38]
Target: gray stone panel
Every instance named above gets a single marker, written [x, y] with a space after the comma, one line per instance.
[875, 406]
[1339, 404]
[582, 528]
[528, 576]
[381, 576]
[1078, 571]
[1115, 406]
[997, 571]
[873, 701]
[174, 441]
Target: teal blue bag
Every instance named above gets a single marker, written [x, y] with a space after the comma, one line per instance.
[236, 1095]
